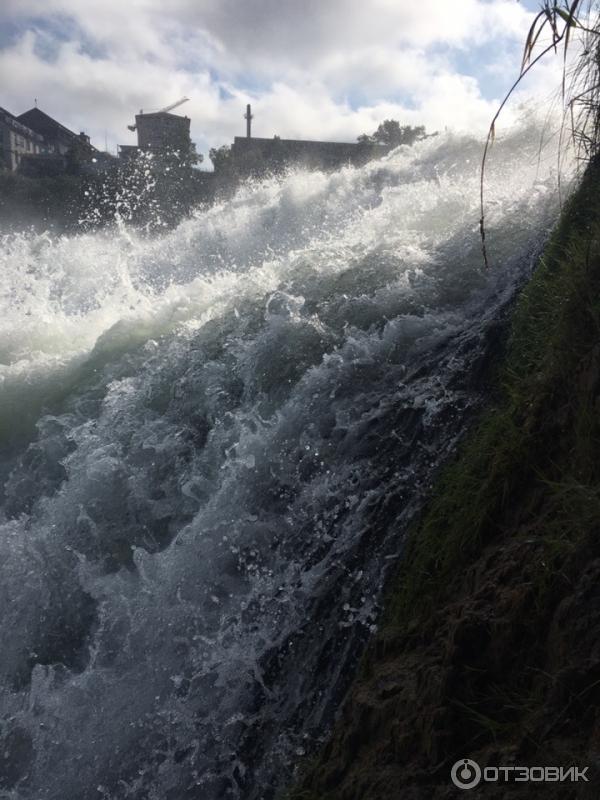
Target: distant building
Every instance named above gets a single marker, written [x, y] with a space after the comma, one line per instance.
[163, 131]
[262, 155]
[160, 133]
[250, 155]
[56, 135]
[18, 141]
[37, 145]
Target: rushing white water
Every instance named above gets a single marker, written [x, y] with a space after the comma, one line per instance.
[212, 442]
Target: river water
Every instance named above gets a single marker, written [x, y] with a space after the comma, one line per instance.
[212, 441]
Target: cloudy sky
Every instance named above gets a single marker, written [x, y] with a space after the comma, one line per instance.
[321, 69]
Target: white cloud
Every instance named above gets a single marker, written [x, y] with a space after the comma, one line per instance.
[311, 68]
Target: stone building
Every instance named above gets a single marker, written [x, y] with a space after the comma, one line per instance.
[37, 145]
[258, 155]
[250, 155]
[18, 141]
[61, 139]
[163, 131]
[160, 133]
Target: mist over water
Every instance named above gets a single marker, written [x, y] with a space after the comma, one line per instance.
[212, 442]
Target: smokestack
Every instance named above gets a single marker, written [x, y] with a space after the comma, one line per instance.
[248, 117]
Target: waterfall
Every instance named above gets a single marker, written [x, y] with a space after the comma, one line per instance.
[212, 443]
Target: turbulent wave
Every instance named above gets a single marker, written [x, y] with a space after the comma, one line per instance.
[212, 442]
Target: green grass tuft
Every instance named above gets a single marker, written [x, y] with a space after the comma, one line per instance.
[555, 329]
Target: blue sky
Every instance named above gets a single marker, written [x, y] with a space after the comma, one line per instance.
[310, 68]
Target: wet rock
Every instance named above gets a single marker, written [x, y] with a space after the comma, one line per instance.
[16, 750]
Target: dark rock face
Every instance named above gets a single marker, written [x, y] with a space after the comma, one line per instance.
[487, 678]
[15, 754]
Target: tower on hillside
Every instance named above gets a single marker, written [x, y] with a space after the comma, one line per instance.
[162, 131]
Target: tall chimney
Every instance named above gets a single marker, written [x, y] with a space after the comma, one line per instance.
[248, 117]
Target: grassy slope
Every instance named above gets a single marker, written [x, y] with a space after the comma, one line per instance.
[491, 643]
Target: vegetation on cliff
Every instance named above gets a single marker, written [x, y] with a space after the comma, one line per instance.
[489, 647]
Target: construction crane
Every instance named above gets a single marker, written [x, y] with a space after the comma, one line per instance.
[164, 110]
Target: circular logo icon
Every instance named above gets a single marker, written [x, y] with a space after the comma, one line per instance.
[466, 774]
